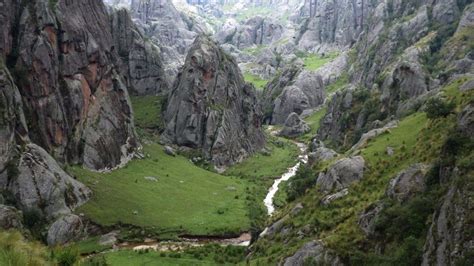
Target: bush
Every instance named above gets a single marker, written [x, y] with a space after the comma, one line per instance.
[66, 256]
[437, 107]
[305, 178]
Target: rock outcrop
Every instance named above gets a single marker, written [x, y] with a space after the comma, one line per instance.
[65, 229]
[141, 58]
[408, 183]
[75, 100]
[255, 31]
[294, 126]
[41, 185]
[10, 218]
[294, 91]
[341, 174]
[334, 25]
[212, 109]
[171, 30]
[314, 253]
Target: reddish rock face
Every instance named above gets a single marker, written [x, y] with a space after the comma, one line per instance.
[76, 103]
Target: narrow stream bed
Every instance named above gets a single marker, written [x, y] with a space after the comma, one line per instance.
[303, 158]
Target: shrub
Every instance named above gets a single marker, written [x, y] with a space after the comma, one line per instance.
[66, 256]
[437, 107]
[304, 179]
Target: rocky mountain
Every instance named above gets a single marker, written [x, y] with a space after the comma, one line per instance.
[64, 101]
[212, 109]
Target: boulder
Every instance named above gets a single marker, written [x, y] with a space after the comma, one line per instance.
[294, 126]
[10, 218]
[320, 153]
[291, 100]
[313, 253]
[65, 229]
[366, 137]
[368, 218]
[41, 185]
[341, 174]
[330, 198]
[169, 151]
[408, 183]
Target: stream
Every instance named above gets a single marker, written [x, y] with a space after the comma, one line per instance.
[242, 240]
[302, 158]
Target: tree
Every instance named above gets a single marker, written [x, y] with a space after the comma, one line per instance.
[437, 107]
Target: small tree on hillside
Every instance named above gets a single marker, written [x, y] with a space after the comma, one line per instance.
[437, 107]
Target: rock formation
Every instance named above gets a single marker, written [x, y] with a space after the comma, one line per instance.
[294, 126]
[341, 174]
[212, 109]
[141, 58]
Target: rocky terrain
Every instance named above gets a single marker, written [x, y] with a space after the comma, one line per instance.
[212, 108]
[127, 122]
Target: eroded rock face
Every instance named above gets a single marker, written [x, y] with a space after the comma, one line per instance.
[173, 31]
[408, 183]
[141, 58]
[10, 218]
[335, 25]
[293, 91]
[314, 253]
[76, 101]
[448, 238]
[255, 31]
[41, 185]
[65, 229]
[466, 120]
[294, 126]
[368, 218]
[341, 174]
[212, 109]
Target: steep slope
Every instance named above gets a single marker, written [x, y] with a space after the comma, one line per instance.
[142, 60]
[75, 100]
[212, 109]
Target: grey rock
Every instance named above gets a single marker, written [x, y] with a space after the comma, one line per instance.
[390, 151]
[320, 153]
[212, 109]
[341, 174]
[313, 252]
[77, 104]
[42, 185]
[408, 183]
[366, 137]
[10, 218]
[448, 238]
[466, 120]
[469, 85]
[294, 126]
[291, 100]
[169, 151]
[338, 195]
[109, 239]
[65, 229]
[368, 218]
[142, 62]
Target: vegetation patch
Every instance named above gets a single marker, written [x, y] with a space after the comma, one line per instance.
[167, 196]
[147, 111]
[313, 62]
[257, 81]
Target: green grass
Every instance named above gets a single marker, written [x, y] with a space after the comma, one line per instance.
[185, 199]
[258, 82]
[313, 62]
[147, 111]
[313, 121]
[283, 155]
[342, 81]
[126, 258]
[89, 246]
[415, 140]
[15, 250]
